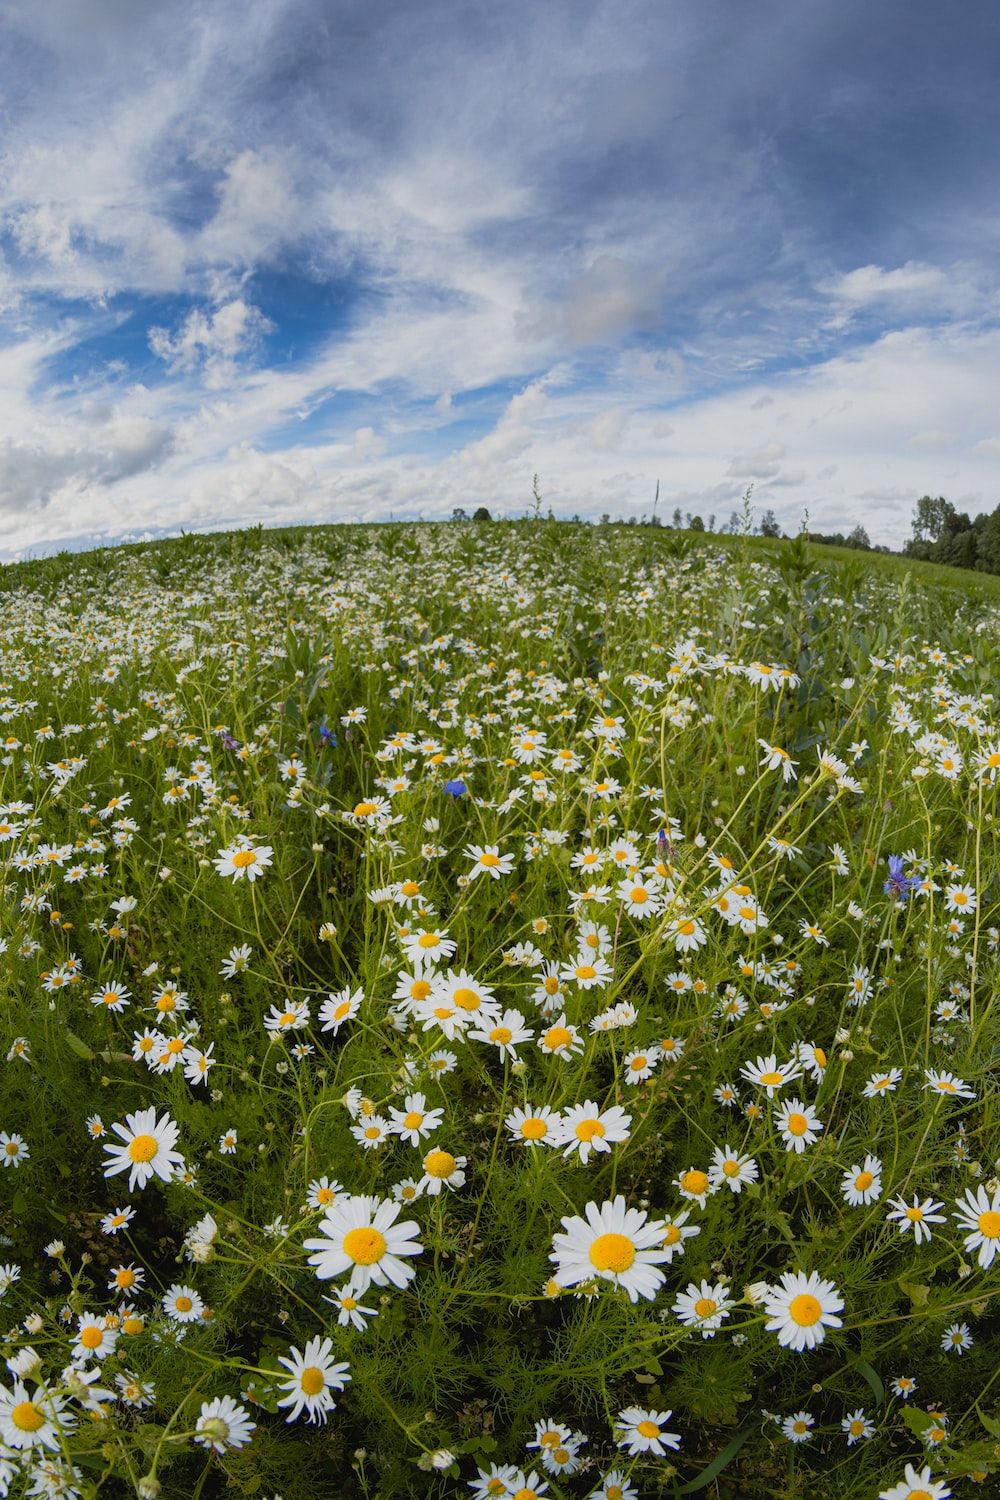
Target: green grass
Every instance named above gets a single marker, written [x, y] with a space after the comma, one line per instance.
[310, 694]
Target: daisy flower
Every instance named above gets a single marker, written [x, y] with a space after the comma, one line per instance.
[313, 1378]
[428, 946]
[441, 1170]
[488, 861]
[956, 1338]
[223, 1424]
[527, 1486]
[801, 1309]
[117, 1219]
[798, 1125]
[360, 1235]
[371, 1132]
[586, 1128]
[914, 1486]
[588, 971]
[857, 1426]
[695, 1185]
[414, 1120]
[94, 1339]
[614, 1243]
[797, 1427]
[244, 861]
[638, 1066]
[675, 1231]
[688, 934]
[644, 1431]
[729, 1167]
[505, 1033]
[703, 1306]
[862, 1185]
[182, 1304]
[918, 1216]
[534, 1127]
[29, 1421]
[947, 1084]
[561, 1039]
[904, 1386]
[13, 1150]
[615, 1486]
[146, 1149]
[766, 1073]
[338, 1008]
[882, 1083]
[351, 1311]
[979, 1212]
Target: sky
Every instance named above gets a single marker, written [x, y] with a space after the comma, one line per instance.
[290, 261]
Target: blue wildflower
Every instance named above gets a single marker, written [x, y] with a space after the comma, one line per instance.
[899, 884]
[327, 735]
[455, 788]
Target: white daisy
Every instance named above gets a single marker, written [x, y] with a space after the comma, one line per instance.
[360, 1235]
[614, 1243]
[801, 1309]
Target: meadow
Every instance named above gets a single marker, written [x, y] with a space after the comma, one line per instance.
[507, 1010]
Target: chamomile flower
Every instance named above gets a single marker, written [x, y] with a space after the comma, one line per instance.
[703, 1306]
[441, 1170]
[916, 1486]
[504, 1032]
[339, 1008]
[798, 1124]
[414, 1121]
[801, 1308]
[979, 1212]
[613, 1243]
[561, 1039]
[917, 1216]
[956, 1338]
[182, 1304]
[882, 1083]
[584, 1128]
[312, 1382]
[856, 1426]
[244, 861]
[732, 1169]
[534, 1127]
[766, 1073]
[861, 1185]
[146, 1149]
[361, 1236]
[645, 1431]
[223, 1424]
[29, 1419]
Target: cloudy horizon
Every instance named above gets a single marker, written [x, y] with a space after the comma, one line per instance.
[285, 261]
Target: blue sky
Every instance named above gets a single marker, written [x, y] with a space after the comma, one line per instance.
[282, 260]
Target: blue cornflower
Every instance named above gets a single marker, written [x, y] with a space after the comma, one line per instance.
[327, 735]
[898, 884]
[455, 788]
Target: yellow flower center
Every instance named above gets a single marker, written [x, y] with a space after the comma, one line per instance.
[183, 1303]
[467, 999]
[413, 1119]
[312, 1380]
[364, 1245]
[694, 1182]
[420, 989]
[731, 1168]
[410, 888]
[325, 1195]
[914, 1215]
[372, 1132]
[556, 1037]
[501, 1034]
[587, 1129]
[638, 1063]
[705, 1307]
[647, 1429]
[639, 894]
[612, 1252]
[551, 985]
[132, 1326]
[439, 1163]
[143, 1147]
[772, 1078]
[363, 809]
[489, 860]
[805, 1310]
[797, 1124]
[91, 1337]
[243, 858]
[863, 1181]
[672, 1235]
[585, 971]
[534, 1129]
[27, 1417]
[989, 1224]
[428, 940]
[686, 928]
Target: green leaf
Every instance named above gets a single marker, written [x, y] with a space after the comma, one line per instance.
[916, 1420]
[877, 1388]
[77, 1045]
[991, 1424]
[704, 1479]
[917, 1292]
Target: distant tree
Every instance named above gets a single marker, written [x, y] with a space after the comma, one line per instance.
[458, 514]
[695, 523]
[711, 522]
[989, 543]
[678, 519]
[769, 524]
[859, 538]
[934, 519]
[605, 519]
[481, 514]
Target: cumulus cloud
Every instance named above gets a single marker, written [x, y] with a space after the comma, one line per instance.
[211, 342]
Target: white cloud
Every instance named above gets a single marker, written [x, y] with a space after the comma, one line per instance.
[211, 342]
